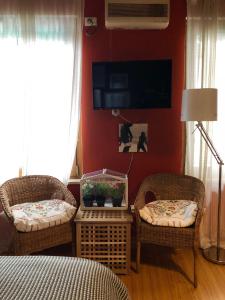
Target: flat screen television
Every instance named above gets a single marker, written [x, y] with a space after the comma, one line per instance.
[132, 84]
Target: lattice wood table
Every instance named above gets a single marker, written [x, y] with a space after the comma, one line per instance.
[104, 236]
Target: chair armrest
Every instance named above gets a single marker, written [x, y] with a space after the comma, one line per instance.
[4, 199]
[140, 198]
[198, 219]
[135, 211]
[137, 216]
[68, 196]
[132, 208]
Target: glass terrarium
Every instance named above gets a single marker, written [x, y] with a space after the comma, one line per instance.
[104, 189]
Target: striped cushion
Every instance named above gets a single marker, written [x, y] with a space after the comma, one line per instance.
[57, 278]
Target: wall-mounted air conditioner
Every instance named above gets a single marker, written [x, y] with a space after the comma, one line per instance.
[137, 14]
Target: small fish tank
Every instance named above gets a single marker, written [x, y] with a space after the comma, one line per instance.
[104, 190]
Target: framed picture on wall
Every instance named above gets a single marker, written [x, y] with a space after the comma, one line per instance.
[133, 137]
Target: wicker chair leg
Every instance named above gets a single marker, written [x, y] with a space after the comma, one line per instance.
[194, 257]
[138, 254]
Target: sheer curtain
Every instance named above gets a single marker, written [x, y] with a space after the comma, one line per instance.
[205, 65]
[40, 74]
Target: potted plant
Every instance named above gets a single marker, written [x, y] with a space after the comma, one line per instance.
[101, 192]
[88, 191]
[117, 192]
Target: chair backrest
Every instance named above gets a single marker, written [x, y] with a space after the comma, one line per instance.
[29, 188]
[166, 186]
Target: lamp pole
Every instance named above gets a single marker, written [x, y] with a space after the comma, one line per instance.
[214, 254]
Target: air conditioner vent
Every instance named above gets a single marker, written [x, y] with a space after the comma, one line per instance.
[137, 14]
[137, 10]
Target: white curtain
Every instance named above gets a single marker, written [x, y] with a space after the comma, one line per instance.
[205, 65]
[40, 76]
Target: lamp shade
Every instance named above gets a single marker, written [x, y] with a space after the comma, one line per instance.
[199, 105]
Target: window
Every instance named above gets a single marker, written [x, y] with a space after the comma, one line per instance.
[39, 96]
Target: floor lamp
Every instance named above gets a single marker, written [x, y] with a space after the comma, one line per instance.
[201, 105]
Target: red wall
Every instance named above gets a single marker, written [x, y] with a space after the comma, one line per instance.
[100, 128]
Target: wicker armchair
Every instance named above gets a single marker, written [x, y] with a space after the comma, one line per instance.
[31, 189]
[170, 187]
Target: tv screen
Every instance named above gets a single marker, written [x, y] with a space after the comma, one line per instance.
[132, 84]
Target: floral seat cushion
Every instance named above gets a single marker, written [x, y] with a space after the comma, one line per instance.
[42, 214]
[173, 213]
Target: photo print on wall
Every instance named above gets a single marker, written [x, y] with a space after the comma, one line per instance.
[133, 137]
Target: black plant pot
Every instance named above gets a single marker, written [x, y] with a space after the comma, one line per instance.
[88, 201]
[117, 202]
[100, 200]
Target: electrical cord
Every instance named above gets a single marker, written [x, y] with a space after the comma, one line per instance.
[124, 119]
[130, 164]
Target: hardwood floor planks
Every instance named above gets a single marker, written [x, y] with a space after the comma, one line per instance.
[167, 274]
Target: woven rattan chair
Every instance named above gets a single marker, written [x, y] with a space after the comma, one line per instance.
[170, 187]
[31, 189]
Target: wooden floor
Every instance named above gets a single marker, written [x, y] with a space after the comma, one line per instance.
[166, 274]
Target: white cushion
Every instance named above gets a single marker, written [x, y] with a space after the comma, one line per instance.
[42, 214]
[174, 213]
